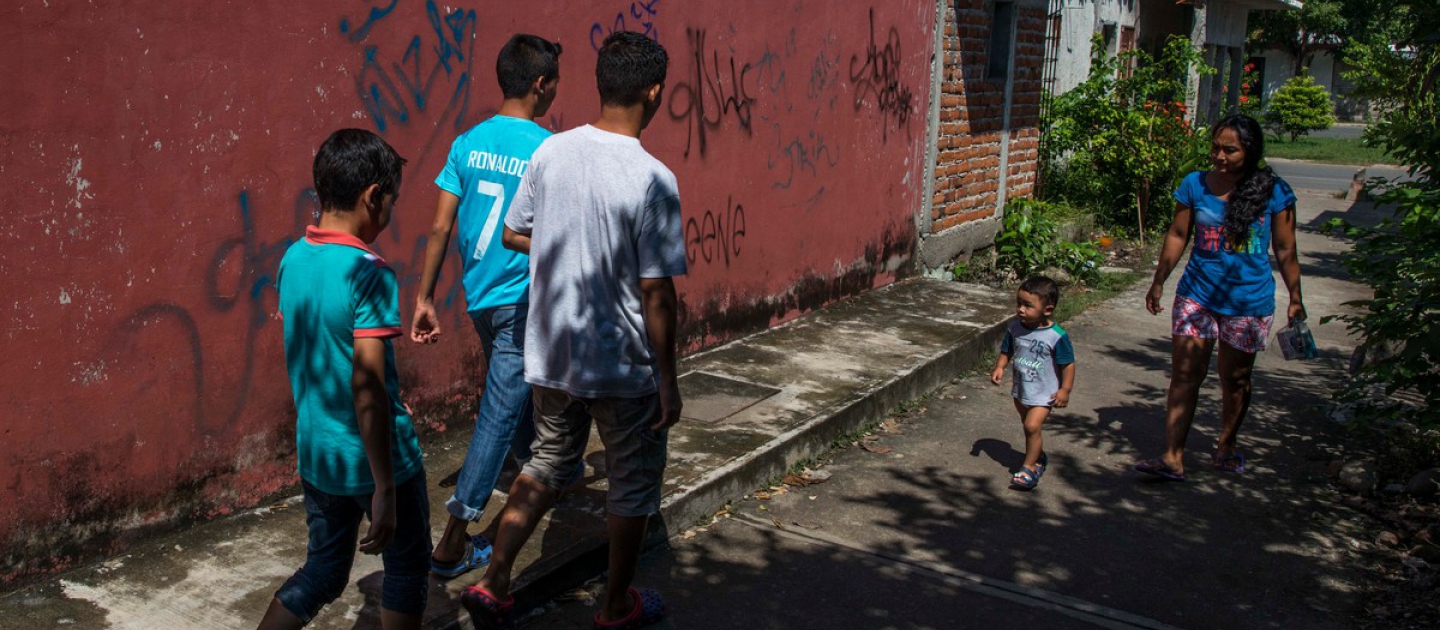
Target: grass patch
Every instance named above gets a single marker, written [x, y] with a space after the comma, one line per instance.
[1077, 300]
[1327, 151]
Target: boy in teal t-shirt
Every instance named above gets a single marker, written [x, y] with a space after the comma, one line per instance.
[356, 448]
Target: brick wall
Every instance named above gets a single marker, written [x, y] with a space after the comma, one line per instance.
[1025, 102]
[972, 114]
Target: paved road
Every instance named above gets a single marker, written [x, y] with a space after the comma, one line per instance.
[1343, 131]
[927, 535]
[1329, 177]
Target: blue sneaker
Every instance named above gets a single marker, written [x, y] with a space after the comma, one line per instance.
[477, 554]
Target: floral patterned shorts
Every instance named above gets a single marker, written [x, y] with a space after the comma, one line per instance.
[1244, 333]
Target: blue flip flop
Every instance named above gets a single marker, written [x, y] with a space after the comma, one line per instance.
[477, 554]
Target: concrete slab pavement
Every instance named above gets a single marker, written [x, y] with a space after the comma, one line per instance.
[892, 538]
[755, 407]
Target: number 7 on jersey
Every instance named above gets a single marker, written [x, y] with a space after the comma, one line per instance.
[487, 233]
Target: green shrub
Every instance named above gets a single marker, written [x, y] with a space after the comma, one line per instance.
[1400, 259]
[1119, 142]
[1029, 242]
[1299, 107]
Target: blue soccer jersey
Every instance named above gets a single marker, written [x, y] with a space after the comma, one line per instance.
[484, 170]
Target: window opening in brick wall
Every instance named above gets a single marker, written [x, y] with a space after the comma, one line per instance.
[1002, 44]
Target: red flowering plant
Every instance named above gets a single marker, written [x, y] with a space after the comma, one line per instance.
[1251, 92]
[1120, 139]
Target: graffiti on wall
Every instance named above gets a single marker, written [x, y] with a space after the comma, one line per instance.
[801, 154]
[440, 58]
[716, 235]
[239, 277]
[705, 98]
[876, 75]
[638, 17]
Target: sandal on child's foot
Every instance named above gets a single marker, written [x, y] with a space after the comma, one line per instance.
[1025, 479]
[649, 609]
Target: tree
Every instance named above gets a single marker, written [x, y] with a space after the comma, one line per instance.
[1321, 24]
[1299, 107]
[1301, 32]
[1400, 259]
[1120, 139]
[1401, 77]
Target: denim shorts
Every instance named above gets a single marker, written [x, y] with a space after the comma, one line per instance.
[634, 453]
[335, 523]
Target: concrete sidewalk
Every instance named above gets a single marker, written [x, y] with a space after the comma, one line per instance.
[753, 407]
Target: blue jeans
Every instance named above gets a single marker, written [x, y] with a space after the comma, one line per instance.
[334, 522]
[504, 421]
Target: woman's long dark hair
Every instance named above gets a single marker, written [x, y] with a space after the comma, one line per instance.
[1252, 193]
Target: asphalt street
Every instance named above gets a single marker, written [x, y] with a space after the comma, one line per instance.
[918, 529]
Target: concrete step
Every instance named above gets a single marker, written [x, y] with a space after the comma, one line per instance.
[754, 407]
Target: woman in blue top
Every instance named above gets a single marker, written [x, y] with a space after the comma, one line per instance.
[1237, 212]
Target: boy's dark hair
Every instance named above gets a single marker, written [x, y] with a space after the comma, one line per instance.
[629, 64]
[349, 161]
[522, 60]
[1042, 287]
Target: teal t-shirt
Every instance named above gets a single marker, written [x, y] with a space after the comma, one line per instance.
[484, 170]
[333, 290]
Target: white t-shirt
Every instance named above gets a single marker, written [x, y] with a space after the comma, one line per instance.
[601, 214]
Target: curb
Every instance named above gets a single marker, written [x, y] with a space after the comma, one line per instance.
[571, 567]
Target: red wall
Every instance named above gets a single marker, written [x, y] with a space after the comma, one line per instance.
[158, 156]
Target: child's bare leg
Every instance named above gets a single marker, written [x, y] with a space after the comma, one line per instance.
[277, 617]
[1033, 418]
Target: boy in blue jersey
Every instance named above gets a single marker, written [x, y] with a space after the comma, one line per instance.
[600, 218]
[1042, 363]
[480, 179]
[356, 448]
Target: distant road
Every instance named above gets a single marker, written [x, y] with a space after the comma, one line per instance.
[1332, 177]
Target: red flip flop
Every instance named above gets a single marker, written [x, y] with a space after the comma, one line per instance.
[488, 611]
[649, 609]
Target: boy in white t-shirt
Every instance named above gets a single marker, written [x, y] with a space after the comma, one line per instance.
[600, 218]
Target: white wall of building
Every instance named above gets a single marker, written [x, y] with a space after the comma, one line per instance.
[1079, 21]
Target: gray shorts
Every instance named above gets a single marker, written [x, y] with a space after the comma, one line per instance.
[634, 454]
